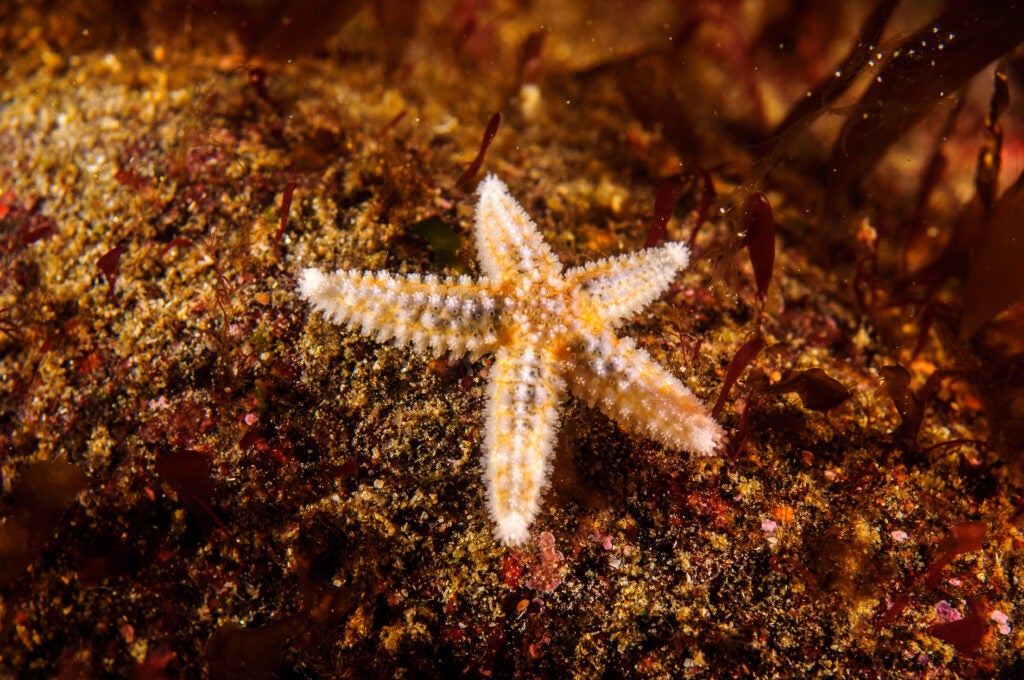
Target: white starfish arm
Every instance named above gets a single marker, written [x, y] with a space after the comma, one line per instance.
[508, 243]
[621, 286]
[630, 388]
[523, 403]
[432, 314]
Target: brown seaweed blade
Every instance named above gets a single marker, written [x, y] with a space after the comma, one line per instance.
[996, 279]
[929, 66]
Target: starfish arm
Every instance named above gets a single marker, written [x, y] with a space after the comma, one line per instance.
[524, 400]
[621, 286]
[630, 388]
[434, 315]
[508, 243]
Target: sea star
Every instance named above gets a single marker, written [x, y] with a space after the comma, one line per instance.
[551, 331]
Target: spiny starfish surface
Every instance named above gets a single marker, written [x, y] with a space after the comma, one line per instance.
[551, 331]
